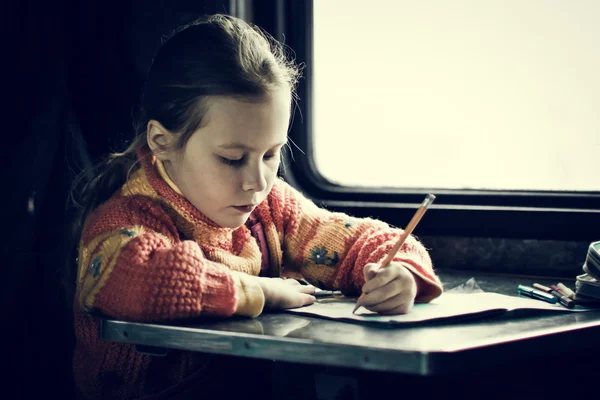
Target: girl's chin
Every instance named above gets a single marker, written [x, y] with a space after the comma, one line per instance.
[232, 222]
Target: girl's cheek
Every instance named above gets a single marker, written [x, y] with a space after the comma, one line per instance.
[274, 173]
[227, 176]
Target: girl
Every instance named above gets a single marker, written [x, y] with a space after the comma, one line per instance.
[203, 226]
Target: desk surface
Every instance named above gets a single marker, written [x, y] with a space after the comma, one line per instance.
[422, 350]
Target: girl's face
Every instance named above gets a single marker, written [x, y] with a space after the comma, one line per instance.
[230, 163]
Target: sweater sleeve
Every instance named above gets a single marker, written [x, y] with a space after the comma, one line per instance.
[136, 268]
[331, 249]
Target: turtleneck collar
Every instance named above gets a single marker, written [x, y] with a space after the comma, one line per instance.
[167, 190]
[162, 171]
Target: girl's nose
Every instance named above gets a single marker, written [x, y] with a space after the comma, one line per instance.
[254, 179]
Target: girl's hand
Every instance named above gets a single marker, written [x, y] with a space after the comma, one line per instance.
[390, 290]
[285, 293]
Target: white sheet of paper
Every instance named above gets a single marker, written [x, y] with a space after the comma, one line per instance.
[448, 305]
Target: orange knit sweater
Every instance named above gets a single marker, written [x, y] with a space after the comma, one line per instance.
[149, 255]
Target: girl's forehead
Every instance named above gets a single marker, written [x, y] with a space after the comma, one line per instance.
[247, 122]
[250, 140]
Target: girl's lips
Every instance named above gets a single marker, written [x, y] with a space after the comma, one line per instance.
[244, 209]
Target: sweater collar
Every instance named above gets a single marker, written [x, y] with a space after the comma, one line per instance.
[162, 172]
[170, 194]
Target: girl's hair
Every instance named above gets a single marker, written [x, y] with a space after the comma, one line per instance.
[217, 55]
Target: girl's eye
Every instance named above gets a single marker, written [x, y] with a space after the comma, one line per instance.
[271, 156]
[229, 161]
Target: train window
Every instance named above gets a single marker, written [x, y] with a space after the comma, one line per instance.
[457, 95]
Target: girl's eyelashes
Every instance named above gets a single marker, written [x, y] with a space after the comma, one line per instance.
[233, 162]
[240, 161]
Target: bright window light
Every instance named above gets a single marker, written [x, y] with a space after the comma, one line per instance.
[462, 94]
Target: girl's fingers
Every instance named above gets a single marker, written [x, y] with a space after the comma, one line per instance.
[391, 305]
[381, 294]
[309, 289]
[300, 301]
[308, 299]
[382, 278]
[386, 305]
[369, 271]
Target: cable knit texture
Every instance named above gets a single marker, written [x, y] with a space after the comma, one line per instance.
[149, 255]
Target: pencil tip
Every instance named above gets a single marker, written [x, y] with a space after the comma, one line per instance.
[356, 307]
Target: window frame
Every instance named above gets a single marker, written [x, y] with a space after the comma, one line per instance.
[554, 215]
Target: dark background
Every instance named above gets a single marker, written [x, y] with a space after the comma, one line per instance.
[73, 71]
[72, 74]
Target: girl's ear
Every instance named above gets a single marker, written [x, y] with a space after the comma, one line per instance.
[160, 140]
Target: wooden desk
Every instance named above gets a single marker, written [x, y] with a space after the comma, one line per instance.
[424, 350]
